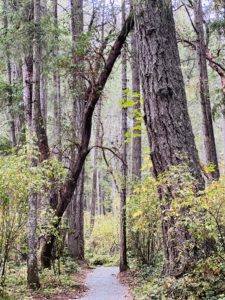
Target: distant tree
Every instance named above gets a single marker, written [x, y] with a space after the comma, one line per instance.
[208, 131]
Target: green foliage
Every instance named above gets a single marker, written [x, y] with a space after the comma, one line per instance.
[51, 283]
[143, 211]
[205, 282]
[203, 216]
[17, 177]
[102, 246]
[131, 101]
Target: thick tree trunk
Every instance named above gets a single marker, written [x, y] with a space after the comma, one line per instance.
[208, 132]
[166, 116]
[123, 192]
[95, 167]
[136, 142]
[76, 219]
[76, 214]
[37, 118]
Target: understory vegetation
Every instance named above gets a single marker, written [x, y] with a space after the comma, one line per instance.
[205, 219]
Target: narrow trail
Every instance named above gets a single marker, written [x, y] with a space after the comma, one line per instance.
[104, 285]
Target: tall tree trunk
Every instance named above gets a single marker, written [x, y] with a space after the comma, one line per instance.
[75, 216]
[27, 72]
[32, 265]
[123, 192]
[57, 86]
[166, 116]
[37, 118]
[9, 78]
[208, 132]
[136, 142]
[95, 167]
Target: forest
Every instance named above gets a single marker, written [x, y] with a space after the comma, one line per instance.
[112, 149]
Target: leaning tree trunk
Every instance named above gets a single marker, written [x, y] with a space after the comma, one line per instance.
[91, 97]
[208, 132]
[123, 192]
[166, 116]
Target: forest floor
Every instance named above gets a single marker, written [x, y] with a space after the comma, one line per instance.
[80, 289]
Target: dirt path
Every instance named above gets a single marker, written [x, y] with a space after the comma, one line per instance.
[104, 285]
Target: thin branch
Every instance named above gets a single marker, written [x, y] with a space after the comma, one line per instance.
[189, 16]
[108, 149]
[110, 171]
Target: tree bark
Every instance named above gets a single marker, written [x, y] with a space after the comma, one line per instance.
[166, 116]
[37, 118]
[123, 192]
[208, 132]
[76, 221]
[76, 214]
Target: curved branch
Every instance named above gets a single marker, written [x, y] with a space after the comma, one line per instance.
[108, 149]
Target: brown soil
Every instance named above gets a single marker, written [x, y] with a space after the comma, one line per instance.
[128, 279]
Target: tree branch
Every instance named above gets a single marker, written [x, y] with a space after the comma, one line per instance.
[108, 149]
